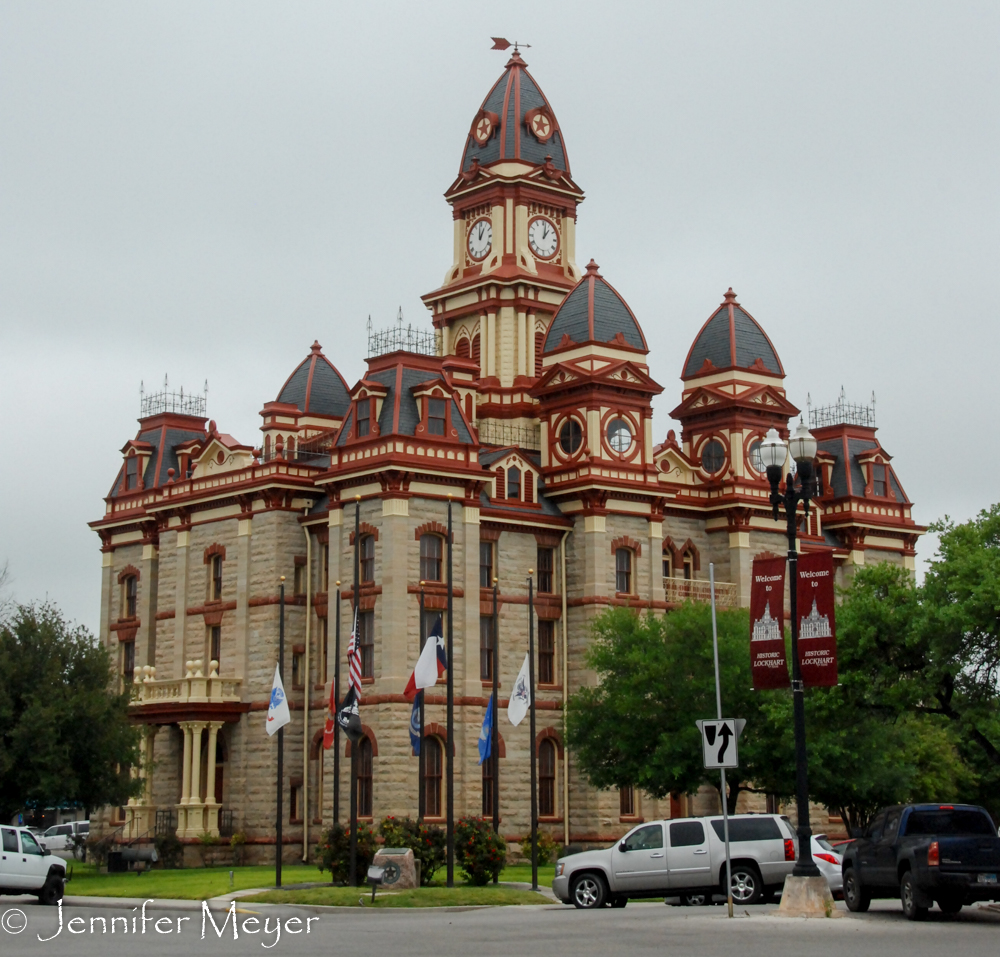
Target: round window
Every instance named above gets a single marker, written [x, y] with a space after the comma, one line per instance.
[756, 459]
[712, 456]
[571, 437]
[619, 436]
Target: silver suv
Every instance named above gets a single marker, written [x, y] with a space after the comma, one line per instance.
[60, 837]
[683, 858]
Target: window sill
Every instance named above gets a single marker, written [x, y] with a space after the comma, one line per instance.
[368, 681]
[295, 820]
[488, 683]
[550, 820]
[633, 819]
[542, 687]
[625, 594]
[317, 820]
[434, 820]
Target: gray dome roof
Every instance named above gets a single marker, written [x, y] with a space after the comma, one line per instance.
[316, 387]
[594, 312]
[731, 339]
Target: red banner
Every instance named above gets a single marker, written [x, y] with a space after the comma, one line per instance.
[817, 629]
[767, 624]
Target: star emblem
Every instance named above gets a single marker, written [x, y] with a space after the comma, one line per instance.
[540, 125]
[483, 129]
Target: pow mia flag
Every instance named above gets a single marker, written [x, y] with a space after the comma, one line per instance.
[349, 717]
[718, 742]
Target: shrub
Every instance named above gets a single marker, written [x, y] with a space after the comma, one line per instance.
[480, 852]
[428, 843]
[334, 852]
[169, 850]
[547, 847]
[237, 842]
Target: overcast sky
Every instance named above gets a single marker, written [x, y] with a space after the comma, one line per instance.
[202, 189]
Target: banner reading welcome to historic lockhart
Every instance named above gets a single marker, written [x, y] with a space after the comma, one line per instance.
[817, 630]
[767, 620]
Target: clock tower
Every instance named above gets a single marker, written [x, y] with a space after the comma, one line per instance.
[514, 208]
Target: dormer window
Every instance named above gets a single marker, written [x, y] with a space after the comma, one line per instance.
[364, 417]
[514, 482]
[435, 416]
[131, 472]
[878, 480]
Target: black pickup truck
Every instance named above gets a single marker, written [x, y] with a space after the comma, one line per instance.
[949, 853]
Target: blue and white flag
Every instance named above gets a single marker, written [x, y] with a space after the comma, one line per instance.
[277, 710]
[520, 697]
[486, 733]
[415, 723]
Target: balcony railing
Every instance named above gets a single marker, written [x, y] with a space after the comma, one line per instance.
[194, 687]
[688, 589]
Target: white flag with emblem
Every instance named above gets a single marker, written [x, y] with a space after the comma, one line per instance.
[520, 697]
[277, 711]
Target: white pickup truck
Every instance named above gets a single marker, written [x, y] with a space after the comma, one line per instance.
[28, 868]
[684, 858]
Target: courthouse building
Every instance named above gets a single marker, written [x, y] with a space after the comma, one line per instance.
[526, 404]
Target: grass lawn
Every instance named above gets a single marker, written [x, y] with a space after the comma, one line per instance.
[460, 895]
[522, 872]
[195, 883]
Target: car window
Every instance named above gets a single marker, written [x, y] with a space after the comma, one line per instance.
[645, 838]
[875, 828]
[64, 829]
[949, 821]
[29, 845]
[749, 829]
[891, 825]
[825, 844]
[686, 833]
[84, 828]
[10, 840]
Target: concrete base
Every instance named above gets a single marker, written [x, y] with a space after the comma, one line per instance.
[807, 897]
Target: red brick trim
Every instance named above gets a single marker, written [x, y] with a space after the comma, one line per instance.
[129, 571]
[316, 745]
[679, 551]
[489, 534]
[547, 539]
[214, 549]
[549, 733]
[434, 730]
[435, 528]
[370, 735]
[626, 542]
[365, 529]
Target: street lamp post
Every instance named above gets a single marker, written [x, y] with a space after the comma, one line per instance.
[802, 447]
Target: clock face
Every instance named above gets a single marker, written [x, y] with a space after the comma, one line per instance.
[480, 238]
[543, 237]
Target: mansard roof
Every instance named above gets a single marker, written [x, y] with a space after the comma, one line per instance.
[316, 387]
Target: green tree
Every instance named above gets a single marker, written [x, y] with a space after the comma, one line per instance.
[65, 736]
[656, 677]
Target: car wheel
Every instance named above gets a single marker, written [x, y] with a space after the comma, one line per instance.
[696, 900]
[856, 898]
[588, 891]
[748, 888]
[950, 906]
[51, 892]
[619, 900]
[908, 896]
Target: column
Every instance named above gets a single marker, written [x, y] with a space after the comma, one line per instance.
[211, 805]
[740, 565]
[244, 543]
[107, 594]
[186, 764]
[522, 344]
[656, 590]
[145, 639]
[180, 602]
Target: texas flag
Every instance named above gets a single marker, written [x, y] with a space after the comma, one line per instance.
[277, 710]
[432, 663]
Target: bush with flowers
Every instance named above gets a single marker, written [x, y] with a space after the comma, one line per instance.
[479, 851]
[428, 843]
[547, 847]
[333, 853]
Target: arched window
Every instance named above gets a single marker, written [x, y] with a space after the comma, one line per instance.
[513, 482]
[130, 593]
[462, 349]
[529, 487]
[476, 353]
[713, 455]
[501, 485]
[433, 764]
[668, 562]
[688, 559]
[291, 446]
[547, 778]
[367, 550]
[215, 587]
[267, 447]
[623, 571]
[365, 777]
[364, 417]
[570, 437]
[539, 344]
[430, 558]
[435, 416]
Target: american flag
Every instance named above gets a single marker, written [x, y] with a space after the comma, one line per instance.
[354, 658]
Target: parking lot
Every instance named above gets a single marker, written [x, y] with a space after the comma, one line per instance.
[641, 928]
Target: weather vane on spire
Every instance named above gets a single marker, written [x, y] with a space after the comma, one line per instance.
[501, 43]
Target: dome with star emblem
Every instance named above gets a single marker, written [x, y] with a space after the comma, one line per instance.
[515, 122]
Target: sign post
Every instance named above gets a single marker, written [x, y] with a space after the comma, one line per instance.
[719, 742]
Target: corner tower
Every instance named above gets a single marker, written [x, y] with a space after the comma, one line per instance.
[514, 207]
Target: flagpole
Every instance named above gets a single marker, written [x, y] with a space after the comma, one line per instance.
[421, 797]
[495, 731]
[450, 746]
[531, 688]
[353, 875]
[281, 733]
[336, 724]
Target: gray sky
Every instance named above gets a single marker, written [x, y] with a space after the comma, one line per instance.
[201, 189]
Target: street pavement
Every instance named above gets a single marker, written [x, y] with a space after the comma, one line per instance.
[553, 931]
